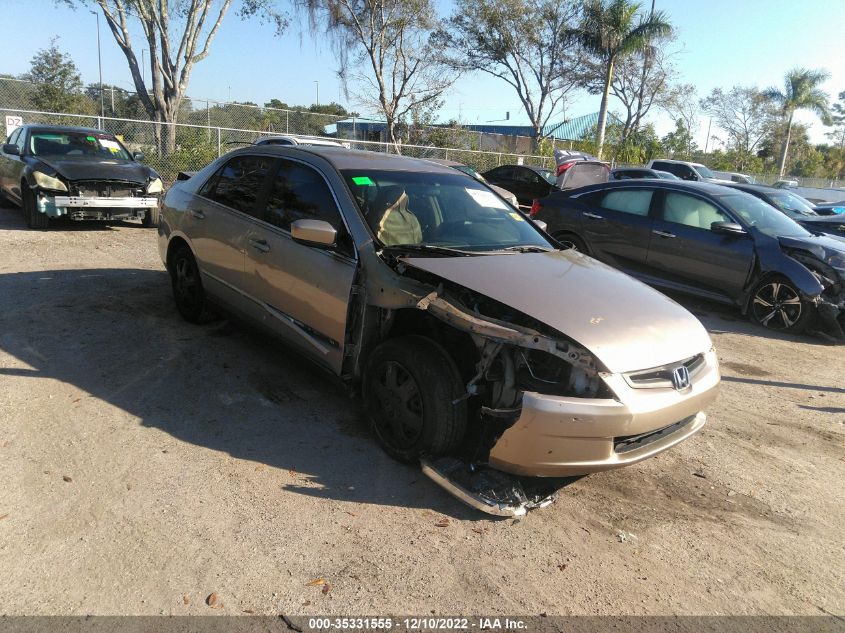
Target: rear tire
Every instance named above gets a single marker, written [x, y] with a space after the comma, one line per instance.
[187, 286]
[572, 242]
[410, 390]
[150, 217]
[776, 304]
[34, 218]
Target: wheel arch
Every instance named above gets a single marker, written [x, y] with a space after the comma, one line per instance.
[793, 271]
[175, 242]
[456, 344]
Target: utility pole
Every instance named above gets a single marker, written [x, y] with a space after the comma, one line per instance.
[100, 64]
[707, 140]
[318, 92]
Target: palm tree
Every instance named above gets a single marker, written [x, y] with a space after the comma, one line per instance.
[801, 92]
[611, 30]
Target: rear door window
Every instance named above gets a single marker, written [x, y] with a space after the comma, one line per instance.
[526, 175]
[239, 183]
[633, 201]
[502, 173]
[691, 211]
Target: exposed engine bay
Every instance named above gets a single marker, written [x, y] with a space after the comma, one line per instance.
[513, 353]
[830, 304]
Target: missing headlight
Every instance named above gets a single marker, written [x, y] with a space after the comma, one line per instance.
[544, 373]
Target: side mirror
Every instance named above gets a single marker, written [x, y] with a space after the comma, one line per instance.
[138, 155]
[541, 225]
[727, 228]
[11, 149]
[313, 232]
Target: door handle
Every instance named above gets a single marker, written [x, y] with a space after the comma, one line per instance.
[259, 245]
[199, 215]
[593, 216]
[664, 234]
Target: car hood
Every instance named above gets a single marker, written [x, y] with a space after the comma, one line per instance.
[73, 168]
[824, 222]
[827, 248]
[627, 325]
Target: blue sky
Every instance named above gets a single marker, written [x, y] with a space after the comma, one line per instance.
[721, 43]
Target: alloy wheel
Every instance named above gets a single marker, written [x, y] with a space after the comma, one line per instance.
[777, 306]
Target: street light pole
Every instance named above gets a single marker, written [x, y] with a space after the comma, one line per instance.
[318, 92]
[100, 64]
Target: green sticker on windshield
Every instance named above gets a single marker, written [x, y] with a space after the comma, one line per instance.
[363, 181]
[90, 138]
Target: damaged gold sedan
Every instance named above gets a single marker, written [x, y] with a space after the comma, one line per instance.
[480, 349]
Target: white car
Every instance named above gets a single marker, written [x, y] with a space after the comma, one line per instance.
[298, 140]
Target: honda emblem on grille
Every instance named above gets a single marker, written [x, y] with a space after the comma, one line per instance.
[680, 378]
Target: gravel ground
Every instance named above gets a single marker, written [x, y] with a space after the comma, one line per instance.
[148, 463]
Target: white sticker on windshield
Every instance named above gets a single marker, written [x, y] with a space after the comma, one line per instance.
[109, 144]
[487, 199]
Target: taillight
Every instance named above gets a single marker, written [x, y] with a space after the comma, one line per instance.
[564, 167]
[535, 207]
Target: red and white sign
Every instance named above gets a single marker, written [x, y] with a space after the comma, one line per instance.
[12, 123]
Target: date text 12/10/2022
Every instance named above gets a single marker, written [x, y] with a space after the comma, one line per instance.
[416, 623]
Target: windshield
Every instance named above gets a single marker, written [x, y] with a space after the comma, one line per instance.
[703, 171]
[438, 210]
[792, 205]
[548, 175]
[754, 212]
[61, 143]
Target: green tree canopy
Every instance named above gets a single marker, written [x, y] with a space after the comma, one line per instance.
[801, 91]
[58, 85]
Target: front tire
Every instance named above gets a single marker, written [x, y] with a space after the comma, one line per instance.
[777, 305]
[187, 286]
[412, 393]
[33, 217]
[570, 241]
[150, 217]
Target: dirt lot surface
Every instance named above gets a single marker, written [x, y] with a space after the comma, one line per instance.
[147, 463]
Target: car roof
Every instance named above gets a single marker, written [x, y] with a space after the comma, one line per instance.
[648, 169]
[342, 158]
[304, 140]
[531, 167]
[677, 162]
[744, 186]
[677, 185]
[38, 127]
[445, 161]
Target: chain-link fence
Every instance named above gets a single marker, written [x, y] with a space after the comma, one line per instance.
[207, 128]
[197, 145]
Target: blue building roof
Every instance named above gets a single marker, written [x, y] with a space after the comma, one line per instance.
[569, 130]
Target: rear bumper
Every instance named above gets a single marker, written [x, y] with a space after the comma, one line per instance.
[557, 436]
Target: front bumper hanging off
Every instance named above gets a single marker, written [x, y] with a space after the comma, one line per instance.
[96, 208]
